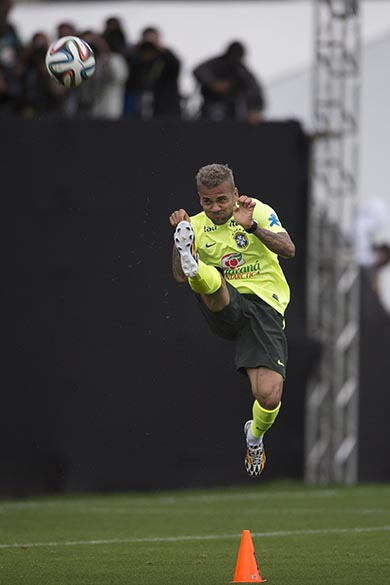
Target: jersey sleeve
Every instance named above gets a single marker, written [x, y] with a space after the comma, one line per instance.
[267, 218]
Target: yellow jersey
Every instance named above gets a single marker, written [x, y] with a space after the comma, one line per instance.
[247, 263]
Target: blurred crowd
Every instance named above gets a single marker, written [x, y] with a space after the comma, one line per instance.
[138, 79]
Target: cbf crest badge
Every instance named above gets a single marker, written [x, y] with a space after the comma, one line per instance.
[241, 239]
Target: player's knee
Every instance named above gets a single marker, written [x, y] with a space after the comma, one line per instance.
[269, 402]
[218, 300]
[269, 395]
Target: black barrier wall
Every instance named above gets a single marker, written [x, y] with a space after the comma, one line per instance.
[111, 380]
[374, 400]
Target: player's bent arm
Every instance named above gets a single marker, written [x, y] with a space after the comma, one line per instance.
[177, 270]
[178, 216]
[280, 243]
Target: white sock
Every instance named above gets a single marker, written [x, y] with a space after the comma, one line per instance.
[252, 439]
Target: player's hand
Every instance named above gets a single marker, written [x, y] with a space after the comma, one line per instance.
[243, 211]
[178, 216]
[221, 86]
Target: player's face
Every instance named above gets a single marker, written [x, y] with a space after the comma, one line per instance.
[218, 202]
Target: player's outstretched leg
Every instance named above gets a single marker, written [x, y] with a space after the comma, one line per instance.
[255, 453]
[185, 244]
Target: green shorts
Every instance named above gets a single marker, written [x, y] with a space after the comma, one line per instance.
[257, 328]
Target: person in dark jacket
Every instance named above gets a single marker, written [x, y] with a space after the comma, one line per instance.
[228, 88]
[10, 51]
[153, 82]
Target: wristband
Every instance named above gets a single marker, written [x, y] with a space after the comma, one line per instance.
[252, 228]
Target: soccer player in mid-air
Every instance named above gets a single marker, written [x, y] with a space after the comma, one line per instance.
[229, 254]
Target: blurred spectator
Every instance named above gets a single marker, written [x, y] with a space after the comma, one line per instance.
[153, 84]
[41, 95]
[111, 102]
[370, 239]
[380, 259]
[371, 225]
[228, 88]
[66, 29]
[116, 37]
[102, 96]
[152, 35]
[10, 49]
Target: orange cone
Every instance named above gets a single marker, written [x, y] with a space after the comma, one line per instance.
[247, 570]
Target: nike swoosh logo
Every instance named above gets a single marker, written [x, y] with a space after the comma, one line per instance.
[280, 363]
[209, 245]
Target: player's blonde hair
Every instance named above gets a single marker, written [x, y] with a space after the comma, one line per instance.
[213, 175]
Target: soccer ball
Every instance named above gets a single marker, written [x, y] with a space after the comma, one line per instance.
[70, 61]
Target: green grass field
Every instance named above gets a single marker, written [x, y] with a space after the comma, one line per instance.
[301, 535]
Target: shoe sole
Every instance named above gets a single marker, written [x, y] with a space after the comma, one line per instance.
[184, 242]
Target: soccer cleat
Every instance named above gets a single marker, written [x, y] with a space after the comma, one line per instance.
[255, 455]
[185, 245]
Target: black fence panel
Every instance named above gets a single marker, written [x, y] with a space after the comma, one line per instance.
[374, 396]
[111, 380]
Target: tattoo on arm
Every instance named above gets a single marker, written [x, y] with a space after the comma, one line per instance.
[279, 243]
